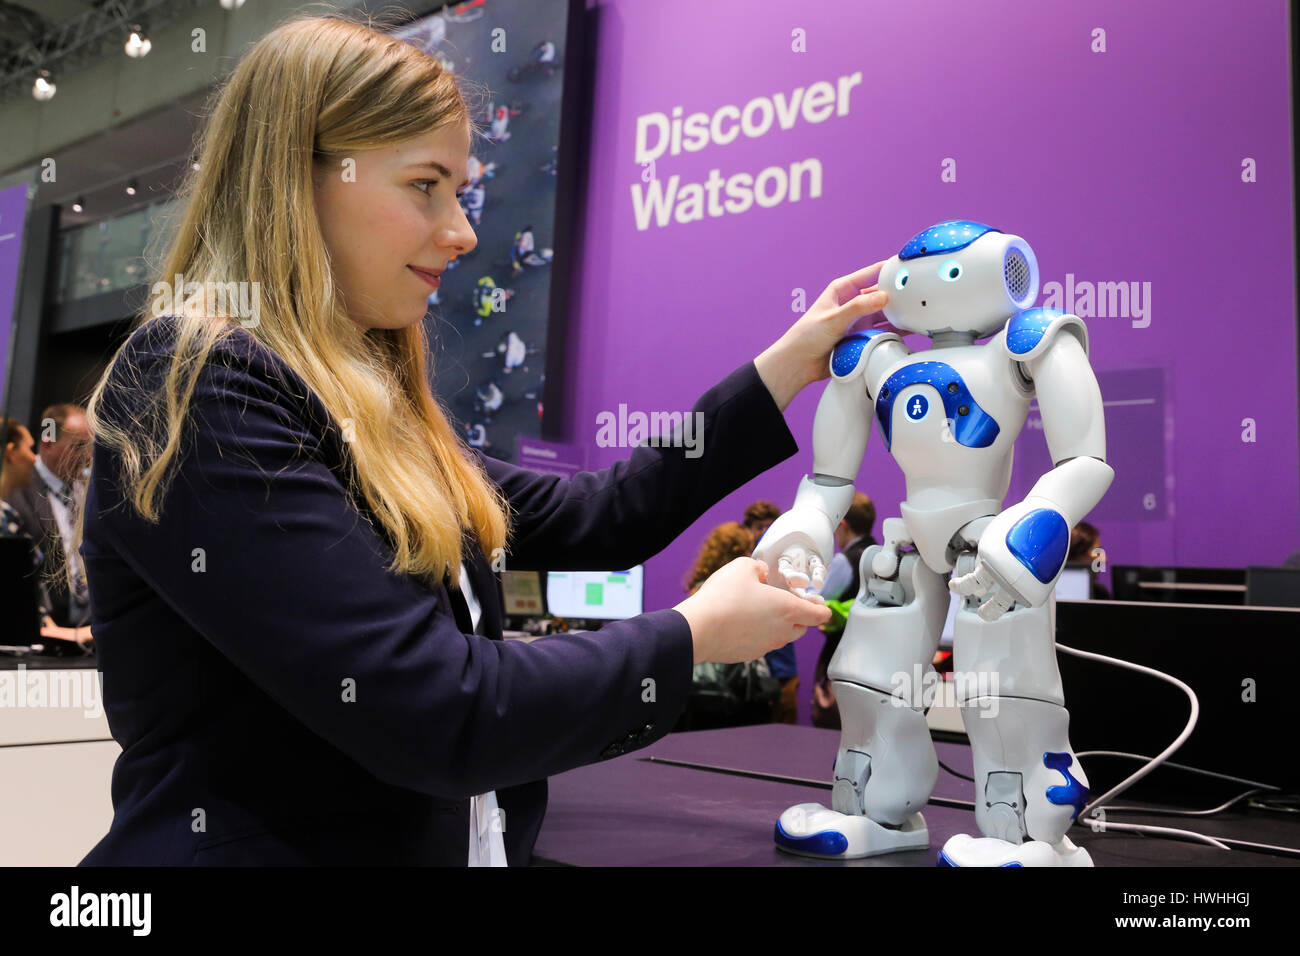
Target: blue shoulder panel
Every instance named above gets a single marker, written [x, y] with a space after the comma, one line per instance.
[1026, 329]
[1072, 793]
[1040, 541]
[971, 425]
[944, 237]
[847, 351]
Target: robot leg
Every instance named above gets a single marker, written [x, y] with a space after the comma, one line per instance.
[884, 682]
[1029, 786]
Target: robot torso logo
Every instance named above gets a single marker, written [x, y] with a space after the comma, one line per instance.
[917, 406]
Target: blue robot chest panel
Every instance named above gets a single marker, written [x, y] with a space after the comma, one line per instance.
[945, 393]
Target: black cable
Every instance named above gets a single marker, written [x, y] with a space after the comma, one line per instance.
[955, 773]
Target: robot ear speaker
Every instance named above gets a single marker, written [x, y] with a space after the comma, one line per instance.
[1017, 274]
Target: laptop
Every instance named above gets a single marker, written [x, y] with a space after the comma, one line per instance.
[19, 593]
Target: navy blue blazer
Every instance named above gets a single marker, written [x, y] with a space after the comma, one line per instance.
[227, 670]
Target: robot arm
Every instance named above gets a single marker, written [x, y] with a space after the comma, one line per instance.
[799, 544]
[1070, 402]
[1022, 550]
[1074, 423]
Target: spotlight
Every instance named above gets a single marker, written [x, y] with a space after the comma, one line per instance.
[43, 88]
[79, 204]
[231, 4]
[137, 44]
[131, 188]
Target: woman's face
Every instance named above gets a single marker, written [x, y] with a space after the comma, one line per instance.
[20, 459]
[395, 212]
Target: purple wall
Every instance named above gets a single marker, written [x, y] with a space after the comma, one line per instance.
[13, 218]
[1122, 166]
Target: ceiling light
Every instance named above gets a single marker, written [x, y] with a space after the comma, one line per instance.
[43, 88]
[137, 44]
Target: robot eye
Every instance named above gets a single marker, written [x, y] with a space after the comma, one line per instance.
[900, 280]
[950, 271]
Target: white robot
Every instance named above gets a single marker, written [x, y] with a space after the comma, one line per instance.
[950, 415]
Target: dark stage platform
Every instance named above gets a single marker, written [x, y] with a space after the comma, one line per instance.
[711, 798]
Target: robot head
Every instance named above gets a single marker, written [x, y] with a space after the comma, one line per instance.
[959, 276]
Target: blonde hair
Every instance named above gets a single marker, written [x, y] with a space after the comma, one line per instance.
[314, 89]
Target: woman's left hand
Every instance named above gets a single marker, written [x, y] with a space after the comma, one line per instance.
[802, 355]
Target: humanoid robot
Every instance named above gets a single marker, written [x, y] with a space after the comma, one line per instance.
[950, 416]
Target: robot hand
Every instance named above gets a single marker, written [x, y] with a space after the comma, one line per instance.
[794, 549]
[1018, 548]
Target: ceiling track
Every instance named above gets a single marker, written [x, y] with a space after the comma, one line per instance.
[73, 43]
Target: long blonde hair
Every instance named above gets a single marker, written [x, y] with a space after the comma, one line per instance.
[314, 89]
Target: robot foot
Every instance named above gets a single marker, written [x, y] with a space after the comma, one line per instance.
[965, 850]
[810, 829]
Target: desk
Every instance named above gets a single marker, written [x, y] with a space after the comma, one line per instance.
[634, 811]
[56, 761]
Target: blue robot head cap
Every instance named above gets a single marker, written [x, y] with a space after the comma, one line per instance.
[946, 236]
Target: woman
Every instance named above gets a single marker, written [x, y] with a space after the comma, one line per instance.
[734, 695]
[291, 553]
[724, 544]
[17, 467]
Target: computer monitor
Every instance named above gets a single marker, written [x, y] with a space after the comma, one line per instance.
[523, 593]
[595, 595]
[1074, 584]
[19, 594]
[1273, 586]
[1180, 585]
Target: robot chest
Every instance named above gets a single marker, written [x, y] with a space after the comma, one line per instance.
[931, 402]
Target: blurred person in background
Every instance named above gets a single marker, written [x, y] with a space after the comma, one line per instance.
[730, 695]
[843, 581]
[17, 470]
[781, 662]
[1086, 552]
[852, 537]
[758, 516]
[723, 545]
[49, 505]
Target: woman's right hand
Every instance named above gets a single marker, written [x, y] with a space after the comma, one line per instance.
[81, 635]
[736, 617]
